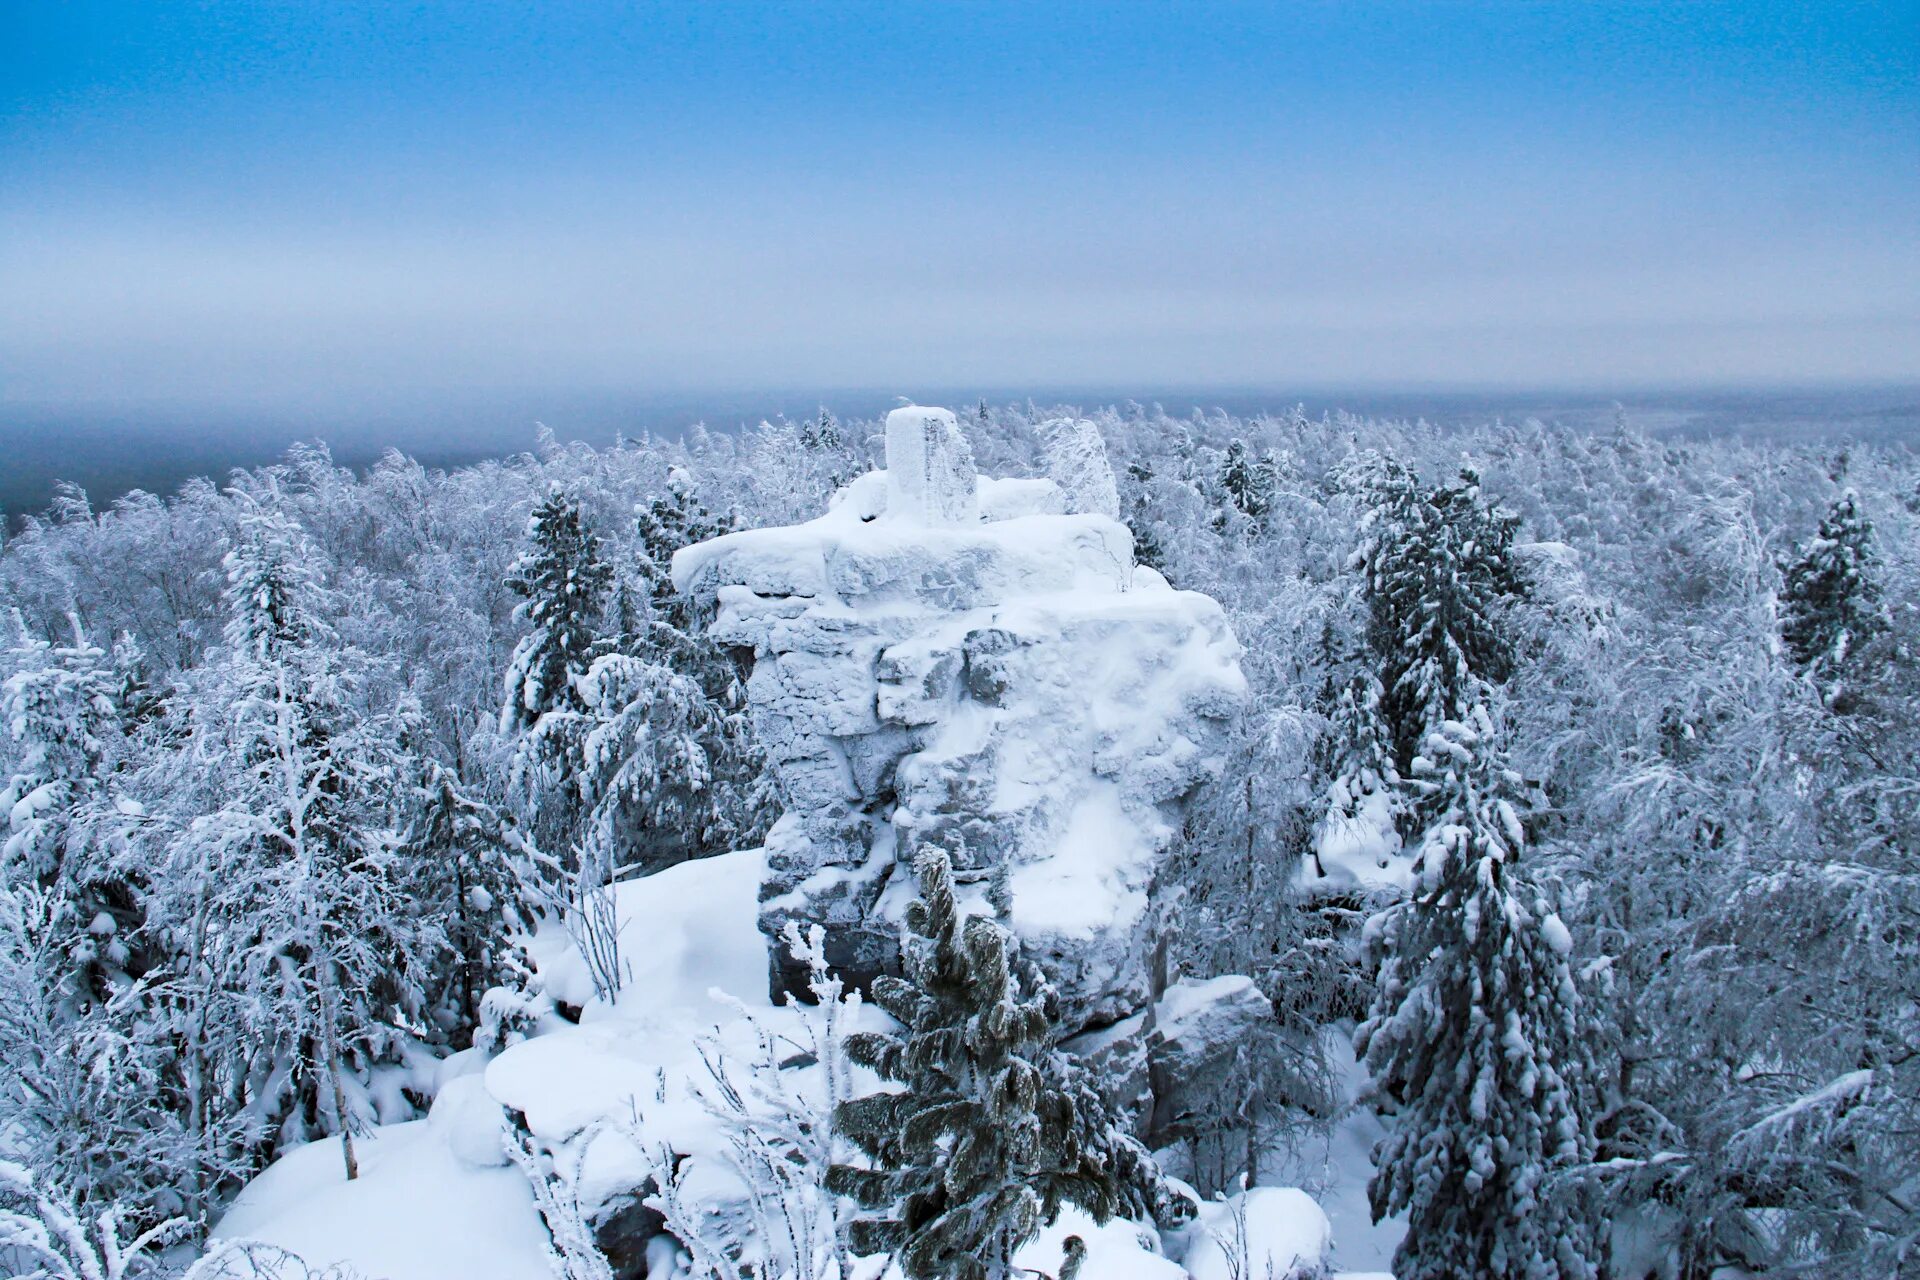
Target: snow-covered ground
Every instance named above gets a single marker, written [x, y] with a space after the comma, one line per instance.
[439, 1200]
[417, 1211]
[1336, 1169]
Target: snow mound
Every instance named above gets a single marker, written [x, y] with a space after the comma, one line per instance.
[1276, 1232]
[417, 1211]
[682, 933]
[470, 1122]
[1120, 1250]
[438, 1199]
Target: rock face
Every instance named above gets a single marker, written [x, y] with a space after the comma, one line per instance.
[1198, 1029]
[950, 659]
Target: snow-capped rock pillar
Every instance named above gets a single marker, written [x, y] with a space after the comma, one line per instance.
[951, 659]
[930, 475]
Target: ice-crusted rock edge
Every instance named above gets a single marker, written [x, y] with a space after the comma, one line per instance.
[956, 659]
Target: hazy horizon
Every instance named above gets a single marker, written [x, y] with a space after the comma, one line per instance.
[109, 450]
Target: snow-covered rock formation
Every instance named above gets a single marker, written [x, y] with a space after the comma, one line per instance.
[963, 660]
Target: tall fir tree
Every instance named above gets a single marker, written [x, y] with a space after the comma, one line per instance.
[988, 1140]
[1827, 605]
[474, 876]
[563, 582]
[664, 524]
[667, 774]
[1149, 548]
[669, 766]
[1476, 1031]
[1436, 569]
[1249, 481]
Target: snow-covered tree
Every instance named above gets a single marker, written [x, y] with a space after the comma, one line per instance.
[669, 769]
[78, 1057]
[302, 954]
[1365, 798]
[87, 1091]
[1827, 603]
[822, 432]
[664, 524]
[60, 714]
[45, 1234]
[1077, 462]
[1436, 570]
[563, 582]
[476, 883]
[65, 712]
[1142, 519]
[1476, 1032]
[1248, 480]
[667, 774]
[985, 1142]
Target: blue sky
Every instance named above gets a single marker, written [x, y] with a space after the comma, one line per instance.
[341, 203]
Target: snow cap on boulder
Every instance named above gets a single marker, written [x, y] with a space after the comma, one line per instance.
[930, 475]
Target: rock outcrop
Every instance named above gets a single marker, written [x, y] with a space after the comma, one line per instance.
[961, 660]
[1198, 1033]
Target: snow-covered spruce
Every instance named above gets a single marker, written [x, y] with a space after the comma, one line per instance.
[563, 581]
[986, 1140]
[1436, 570]
[1477, 1035]
[1827, 604]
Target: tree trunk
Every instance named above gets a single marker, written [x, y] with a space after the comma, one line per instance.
[339, 1091]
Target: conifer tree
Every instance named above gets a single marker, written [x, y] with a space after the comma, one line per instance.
[665, 524]
[1436, 569]
[669, 766]
[670, 631]
[822, 434]
[65, 719]
[1827, 603]
[1476, 1031]
[667, 774]
[987, 1140]
[139, 702]
[476, 879]
[563, 583]
[1249, 482]
[60, 717]
[1365, 797]
[1148, 547]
